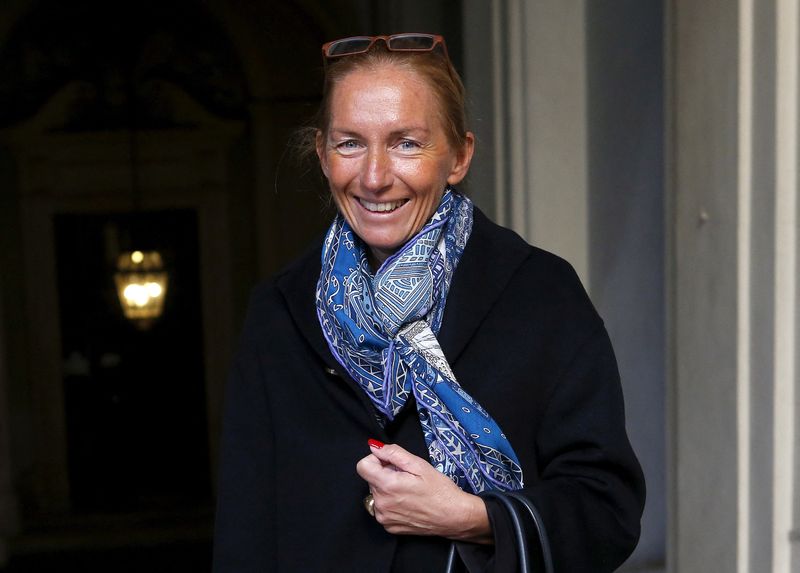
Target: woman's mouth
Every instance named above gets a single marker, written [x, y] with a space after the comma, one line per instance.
[386, 207]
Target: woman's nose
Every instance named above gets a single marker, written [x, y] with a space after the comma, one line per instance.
[377, 173]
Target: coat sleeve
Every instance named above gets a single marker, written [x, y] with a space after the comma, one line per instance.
[243, 536]
[590, 488]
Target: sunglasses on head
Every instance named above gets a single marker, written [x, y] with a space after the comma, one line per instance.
[409, 42]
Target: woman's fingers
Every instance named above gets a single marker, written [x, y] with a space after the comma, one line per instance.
[394, 455]
[410, 495]
[381, 467]
[369, 468]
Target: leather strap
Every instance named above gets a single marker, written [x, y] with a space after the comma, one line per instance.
[515, 504]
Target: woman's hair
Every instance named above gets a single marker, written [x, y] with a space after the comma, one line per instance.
[433, 67]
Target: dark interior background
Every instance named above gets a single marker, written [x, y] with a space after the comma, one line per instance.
[109, 87]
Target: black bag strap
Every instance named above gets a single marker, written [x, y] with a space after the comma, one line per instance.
[541, 531]
[514, 503]
[517, 526]
[451, 559]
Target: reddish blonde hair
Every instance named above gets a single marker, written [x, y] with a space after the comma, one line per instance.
[433, 67]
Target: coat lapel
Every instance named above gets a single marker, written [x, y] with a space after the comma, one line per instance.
[298, 285]
[490, 259]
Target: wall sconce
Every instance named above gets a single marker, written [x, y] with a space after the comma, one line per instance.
[141, 286]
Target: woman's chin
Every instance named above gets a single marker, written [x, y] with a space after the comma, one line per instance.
[381, 246]
[379, 239]
[382, 250]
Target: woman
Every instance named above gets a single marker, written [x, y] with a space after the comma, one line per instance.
[418, 357]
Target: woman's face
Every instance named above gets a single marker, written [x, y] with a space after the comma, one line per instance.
[387, 157]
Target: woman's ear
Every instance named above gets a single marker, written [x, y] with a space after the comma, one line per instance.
[323, 158]
[462, 160]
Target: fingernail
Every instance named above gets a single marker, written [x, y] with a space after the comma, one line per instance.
[375, 444]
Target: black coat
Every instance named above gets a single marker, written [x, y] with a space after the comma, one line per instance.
[523, 340]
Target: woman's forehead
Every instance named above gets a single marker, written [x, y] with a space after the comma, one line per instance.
[387, 92]
[382, 75]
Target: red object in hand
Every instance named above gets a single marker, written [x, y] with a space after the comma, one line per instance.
[375, 443]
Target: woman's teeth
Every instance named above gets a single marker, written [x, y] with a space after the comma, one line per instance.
[381, 207]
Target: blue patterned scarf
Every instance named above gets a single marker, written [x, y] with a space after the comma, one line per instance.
[382, 330]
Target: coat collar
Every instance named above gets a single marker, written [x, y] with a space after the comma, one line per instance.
[491, 257]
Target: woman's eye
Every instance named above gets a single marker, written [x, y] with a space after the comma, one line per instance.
[348, 146]
[408, 145]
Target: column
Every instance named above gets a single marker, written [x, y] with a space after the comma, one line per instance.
[786, 493]
[733, 102]
[537, 120]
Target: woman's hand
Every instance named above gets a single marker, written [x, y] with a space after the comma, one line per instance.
[413, 498]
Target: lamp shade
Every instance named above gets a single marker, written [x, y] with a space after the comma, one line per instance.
[141, 282]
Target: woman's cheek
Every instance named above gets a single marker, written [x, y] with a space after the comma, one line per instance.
[343, 170]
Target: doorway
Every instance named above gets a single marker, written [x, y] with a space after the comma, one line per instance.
[134, 398]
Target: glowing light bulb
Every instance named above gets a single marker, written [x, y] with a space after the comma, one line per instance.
[153, 290]
[136, 294]
[142, 286]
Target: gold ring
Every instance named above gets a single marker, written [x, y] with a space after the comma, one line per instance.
[369, 505]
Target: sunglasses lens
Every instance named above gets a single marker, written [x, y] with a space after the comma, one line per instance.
[348, 46]
[417, 42]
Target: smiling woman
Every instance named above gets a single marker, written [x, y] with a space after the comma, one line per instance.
[421, 357]
[386, 155]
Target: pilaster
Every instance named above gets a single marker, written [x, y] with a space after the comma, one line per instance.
[539, 131]
[733, 101]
